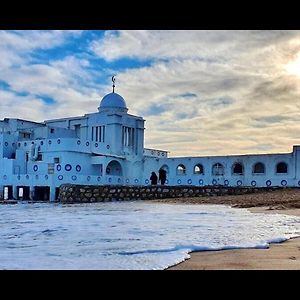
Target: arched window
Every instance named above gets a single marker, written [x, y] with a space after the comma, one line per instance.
[181, 170]
[218, 169]
[282, 168]
[114, 168]
[238, 169]
[259, 168]
[198, 169]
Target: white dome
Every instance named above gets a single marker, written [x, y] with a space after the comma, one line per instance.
[112, 101]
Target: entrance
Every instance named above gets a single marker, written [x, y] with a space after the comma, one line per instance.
[23, 192]
[42, 193]
[8, 192]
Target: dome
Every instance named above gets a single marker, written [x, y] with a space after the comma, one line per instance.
[113, 101]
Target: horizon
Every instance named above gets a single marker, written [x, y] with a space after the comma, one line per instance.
[202, 93]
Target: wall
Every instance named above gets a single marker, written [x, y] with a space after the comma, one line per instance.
[72, 193]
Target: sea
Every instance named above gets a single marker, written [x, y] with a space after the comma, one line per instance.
[133, 235]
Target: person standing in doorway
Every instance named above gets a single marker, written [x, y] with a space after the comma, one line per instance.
[162, 176]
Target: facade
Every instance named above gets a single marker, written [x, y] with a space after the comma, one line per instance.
[107, 148]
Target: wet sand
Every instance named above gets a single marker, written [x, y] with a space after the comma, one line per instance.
[282, 256]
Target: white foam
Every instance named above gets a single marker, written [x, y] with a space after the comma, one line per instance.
[129, 235]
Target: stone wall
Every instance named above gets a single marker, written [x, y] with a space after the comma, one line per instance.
[71, 193]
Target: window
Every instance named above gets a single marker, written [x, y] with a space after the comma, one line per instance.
[259, 168]
[198, 169]
[180, 170]
[56, 160]
[238, 169]
[52, 130]
[282, 168]
[39, 157]
[128, 137]
[50, 168]
[98, 133]
[218, 169]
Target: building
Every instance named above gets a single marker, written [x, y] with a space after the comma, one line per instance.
[107, 147]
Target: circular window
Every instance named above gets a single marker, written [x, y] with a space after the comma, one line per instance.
[68, 167]
[42, 143]
[147, 181]
[74, 177]
[60, 177]
[19, 144]
[88, 178]
[6, 144]
[49, 142]
[13, 144]
[25, 144]
[201, 181]
[127, 180]
[78, 142]
[190, 181]
[58, 167]
[96, 145]
[253, 183]
[35, 168]
[226, 182]
[179, 181]
[109, 179]
[27, 176]
[214, 182]
[268, 182]
[99, 178]
[239, 182]
[283, 182]
[136, 180]
[87, 143]
[107, 146]
[32, 143]
[58, 141]
[162, 154]
[119, 180]
[167, 181]
[107, 170]
[78, 168]
[19, 177]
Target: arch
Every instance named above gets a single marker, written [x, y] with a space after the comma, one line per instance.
[181, 169]
[165, 167]
[238, 169]
[198, 169]
[282, 168]
[259, 168]
[114, 168]
[217, 169]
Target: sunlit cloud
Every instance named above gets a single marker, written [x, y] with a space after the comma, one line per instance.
[201, 92]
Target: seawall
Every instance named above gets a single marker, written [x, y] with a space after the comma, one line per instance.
[71, 193]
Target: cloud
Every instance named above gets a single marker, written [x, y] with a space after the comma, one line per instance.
[201, 92]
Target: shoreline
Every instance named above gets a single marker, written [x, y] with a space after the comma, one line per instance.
[279, 256]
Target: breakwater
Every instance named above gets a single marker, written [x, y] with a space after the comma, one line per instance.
[71, 193]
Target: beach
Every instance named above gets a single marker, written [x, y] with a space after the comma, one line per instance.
[282, 256]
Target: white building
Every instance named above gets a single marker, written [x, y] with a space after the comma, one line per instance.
[107, 147]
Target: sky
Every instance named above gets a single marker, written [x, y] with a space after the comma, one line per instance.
[201, 92]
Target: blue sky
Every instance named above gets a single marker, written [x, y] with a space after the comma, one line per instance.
[201, 92]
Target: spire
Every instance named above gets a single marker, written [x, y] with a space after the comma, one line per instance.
[113, 79]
